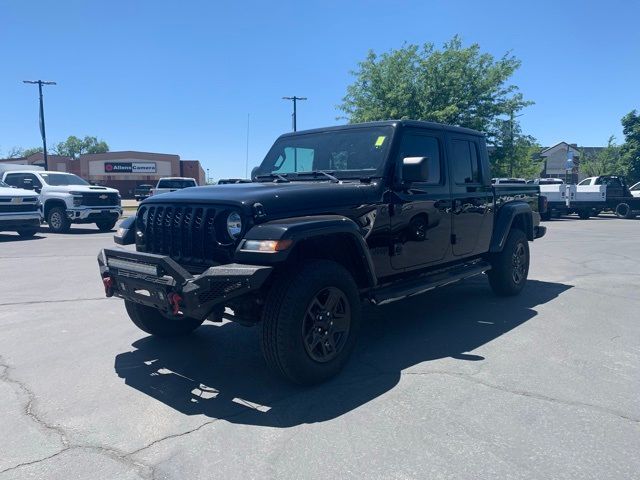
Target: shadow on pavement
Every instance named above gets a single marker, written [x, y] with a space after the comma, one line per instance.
[4, 237]
[219, 372]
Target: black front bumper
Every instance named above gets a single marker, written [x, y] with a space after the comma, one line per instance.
[19, 223]
[153, 280]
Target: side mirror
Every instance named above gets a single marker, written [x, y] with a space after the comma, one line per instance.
[415, 169]
[254, 170]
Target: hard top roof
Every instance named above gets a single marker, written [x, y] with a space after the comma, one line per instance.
[392, 123]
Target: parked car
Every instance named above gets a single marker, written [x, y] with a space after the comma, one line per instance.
[498, 181]
[377, 211]
[171, 184]
[66, 198]
[19, 211]
[635, 189]
[142, 191]
[546, 181]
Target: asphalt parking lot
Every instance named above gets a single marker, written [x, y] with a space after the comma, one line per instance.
[456, 383]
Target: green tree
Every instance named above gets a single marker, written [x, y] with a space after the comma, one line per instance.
[30, 151]
[74, 146]
[630, 150]
[454, 85]
[607, 161]
[17, 152]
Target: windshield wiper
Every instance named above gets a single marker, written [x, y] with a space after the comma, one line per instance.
[315, 173]
[273, 176]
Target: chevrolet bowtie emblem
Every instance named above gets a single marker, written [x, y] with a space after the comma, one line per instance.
[103, 197]
[16, 200]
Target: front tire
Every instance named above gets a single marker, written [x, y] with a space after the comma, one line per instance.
[58, 221]
[154, 322]
[27, 232]
[106, 225]
[623, 210]
[310, 322]
[510, 268]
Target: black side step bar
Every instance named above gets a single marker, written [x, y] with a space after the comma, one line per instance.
[424, 283]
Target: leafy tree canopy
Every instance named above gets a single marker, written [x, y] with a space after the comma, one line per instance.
[454, 85]
[630, 150]
[74, 146]
[607, 161]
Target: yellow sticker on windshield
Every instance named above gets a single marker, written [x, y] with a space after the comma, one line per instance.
[380, 141]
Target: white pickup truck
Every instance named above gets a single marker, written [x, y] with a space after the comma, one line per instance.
[171, 184]
[564, 199]
[19, 211]
[66, 198]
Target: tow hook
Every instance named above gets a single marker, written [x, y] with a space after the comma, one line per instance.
[174, 301]
[108, 286]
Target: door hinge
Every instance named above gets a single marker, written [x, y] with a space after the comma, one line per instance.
[453, 239]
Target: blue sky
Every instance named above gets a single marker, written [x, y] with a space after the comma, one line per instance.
[181, 76]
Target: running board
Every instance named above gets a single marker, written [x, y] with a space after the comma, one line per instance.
[415, 286]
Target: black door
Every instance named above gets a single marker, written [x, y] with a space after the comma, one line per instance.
[471, 195]
[420, 215]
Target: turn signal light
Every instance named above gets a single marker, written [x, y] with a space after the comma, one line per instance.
[266, 246]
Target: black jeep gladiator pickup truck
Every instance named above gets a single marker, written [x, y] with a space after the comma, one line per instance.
[333, 216]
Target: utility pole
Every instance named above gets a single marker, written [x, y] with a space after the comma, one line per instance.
[295, 100]
[42, 129]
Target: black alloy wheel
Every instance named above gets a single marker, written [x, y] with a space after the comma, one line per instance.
[326, 325]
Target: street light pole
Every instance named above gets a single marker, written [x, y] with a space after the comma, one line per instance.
[294, 116]
[42, 128]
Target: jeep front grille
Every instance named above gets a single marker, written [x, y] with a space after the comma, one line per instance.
[193, 235]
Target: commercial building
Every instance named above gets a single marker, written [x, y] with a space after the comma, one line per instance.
[555, 160]
[121, 170]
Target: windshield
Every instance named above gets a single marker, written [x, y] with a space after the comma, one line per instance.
[62, 179]
[176, 183]
[349, 153]
[635, 187]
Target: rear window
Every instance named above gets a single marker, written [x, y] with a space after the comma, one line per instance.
[176, 183]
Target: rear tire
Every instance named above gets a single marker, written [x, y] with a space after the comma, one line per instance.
[310, 322]
[27, 232]
[106, 226]
[584, 214]
[510, 268]
[152, 321]
[58, 221]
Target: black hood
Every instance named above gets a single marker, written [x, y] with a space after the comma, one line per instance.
[276, 198]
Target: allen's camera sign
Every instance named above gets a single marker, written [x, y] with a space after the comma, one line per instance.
[130, 167]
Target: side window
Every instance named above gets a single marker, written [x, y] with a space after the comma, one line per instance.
[13, 179]
[30, 177]
[417, 145]
[294, 159]
[466, 168]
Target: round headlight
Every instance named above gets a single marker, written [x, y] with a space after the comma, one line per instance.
[234, 225]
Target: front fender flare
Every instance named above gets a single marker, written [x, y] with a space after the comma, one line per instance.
[299, 229]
